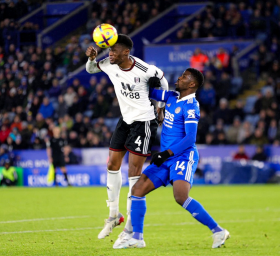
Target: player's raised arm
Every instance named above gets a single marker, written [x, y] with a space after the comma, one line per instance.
[91, 65]
[157, 94]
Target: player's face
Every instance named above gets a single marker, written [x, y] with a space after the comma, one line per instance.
[184, 81]
[116, 54]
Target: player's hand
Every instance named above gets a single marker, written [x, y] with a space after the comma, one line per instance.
[160, 118]
[159, 158]
[154, 82]
[91, 53]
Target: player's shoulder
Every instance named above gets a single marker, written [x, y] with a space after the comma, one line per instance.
[150, 70]
[191, 103]
[172, 94]
[103, 63]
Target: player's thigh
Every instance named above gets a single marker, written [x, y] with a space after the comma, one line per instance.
[119, 137]
[184, 166]
[181, 189]
[115, 160]
[141, 137]
[135, 164]
[142, 187]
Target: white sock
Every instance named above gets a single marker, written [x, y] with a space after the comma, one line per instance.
[114, 183]
[131, 181]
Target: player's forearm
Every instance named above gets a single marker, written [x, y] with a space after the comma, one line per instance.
[91, 67]
[164, 86]
[157, 94]
[184, 144]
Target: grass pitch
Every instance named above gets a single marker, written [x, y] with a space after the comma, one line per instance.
[66, 221]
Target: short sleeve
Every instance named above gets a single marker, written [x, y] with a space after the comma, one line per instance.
[154, 71]
[103, 64]
[191, 113]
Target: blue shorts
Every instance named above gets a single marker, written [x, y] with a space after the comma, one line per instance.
[181, 167]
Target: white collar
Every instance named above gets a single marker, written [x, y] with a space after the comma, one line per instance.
[186, 97]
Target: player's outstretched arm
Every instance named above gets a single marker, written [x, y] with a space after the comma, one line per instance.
[91, 65]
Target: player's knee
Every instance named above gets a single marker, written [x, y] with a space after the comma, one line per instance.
[113, 165]
[137, 190]
[180, 199]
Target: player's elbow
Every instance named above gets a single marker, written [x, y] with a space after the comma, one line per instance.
[88, 70]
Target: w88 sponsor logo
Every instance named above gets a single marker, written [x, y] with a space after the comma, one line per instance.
[131, 95]
[127, 91]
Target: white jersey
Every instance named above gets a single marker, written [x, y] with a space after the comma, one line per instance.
[132, 89]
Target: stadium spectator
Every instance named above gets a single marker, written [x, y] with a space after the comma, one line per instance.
[79, 126]
[62, 108]
[207, 96]
[258, 138]
[46, 108]
[69, 96]
[101, 107]
[55, 90]
[238, 110]
[203, 126]
[240, 154]
[223, 112]
[233, 131]
[69, 156]
[4, 133]
[198, 60]
[3, 154]
[223, 86]
[260, 154]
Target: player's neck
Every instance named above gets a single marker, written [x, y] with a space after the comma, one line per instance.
[185, 93]
[126, 64]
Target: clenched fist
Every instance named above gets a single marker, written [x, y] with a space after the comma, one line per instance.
[91, 53]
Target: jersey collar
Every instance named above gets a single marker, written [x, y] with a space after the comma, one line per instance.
[187, 97]
[132, 66]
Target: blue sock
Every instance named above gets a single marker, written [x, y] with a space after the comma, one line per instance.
[201, 215]
[138, 211]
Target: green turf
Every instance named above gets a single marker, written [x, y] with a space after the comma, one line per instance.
[250, 213]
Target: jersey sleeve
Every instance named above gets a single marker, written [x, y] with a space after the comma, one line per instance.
[191, 113]
[161, 95]
[104, 64]
[154, 71]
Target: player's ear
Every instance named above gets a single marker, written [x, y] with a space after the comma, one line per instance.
[192, 84]
[126, 52]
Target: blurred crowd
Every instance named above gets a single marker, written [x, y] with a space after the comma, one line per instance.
[33, 101]
[244, 18]
[125, 15]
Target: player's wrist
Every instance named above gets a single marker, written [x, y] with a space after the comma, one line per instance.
[170, 152]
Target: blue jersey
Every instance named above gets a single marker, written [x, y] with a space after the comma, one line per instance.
[178, 135]
[180, 122]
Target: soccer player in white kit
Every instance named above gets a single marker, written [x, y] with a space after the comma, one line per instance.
[136, 129]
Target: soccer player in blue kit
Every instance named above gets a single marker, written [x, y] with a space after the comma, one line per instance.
[177, 161]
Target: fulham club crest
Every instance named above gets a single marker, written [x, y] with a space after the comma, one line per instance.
[137, 80]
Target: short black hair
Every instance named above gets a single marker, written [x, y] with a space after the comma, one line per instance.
[198, 76]
[125, 40]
